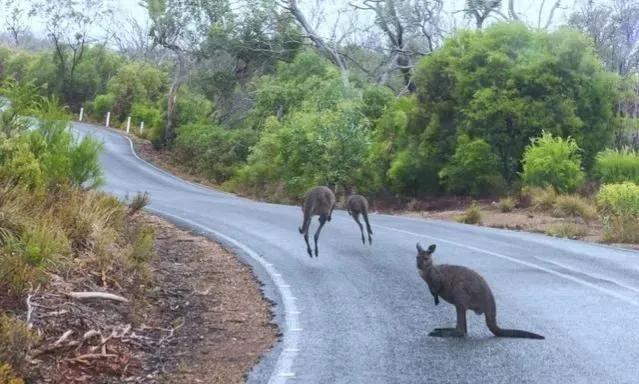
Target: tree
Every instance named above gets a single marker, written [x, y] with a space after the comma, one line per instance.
[17, 14]
[614, 28]
[328, 50]
[412, 28]
[68, 23]
[182, 26]
[504, 85]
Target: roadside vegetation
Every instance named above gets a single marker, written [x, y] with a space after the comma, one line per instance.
[543, 120]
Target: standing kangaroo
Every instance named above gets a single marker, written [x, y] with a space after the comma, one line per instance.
[465, 289]
[356, 205]
[317, 201]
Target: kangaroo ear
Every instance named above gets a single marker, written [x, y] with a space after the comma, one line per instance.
[419, 248]
[431, 249]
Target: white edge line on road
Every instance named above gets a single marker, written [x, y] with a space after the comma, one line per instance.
[522, 262]
[282, 370]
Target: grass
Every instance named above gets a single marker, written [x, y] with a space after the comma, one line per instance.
[542, 199]
[136, 204]
[568, 230]
[506, 204]
[472, 215]
[574, 206]
[15, 341]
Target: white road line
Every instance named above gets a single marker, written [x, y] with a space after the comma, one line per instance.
[284, 363]
[522, 262]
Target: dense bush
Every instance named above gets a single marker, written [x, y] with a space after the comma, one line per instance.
[506, 84]
[472, 170]
[213, 151]
[619, 204]
[617, 166]
[553, 161]
[101, 105]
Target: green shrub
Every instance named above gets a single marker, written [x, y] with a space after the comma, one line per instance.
[617, 166]
[472, 169]
[103, 104]
[472, 215]
[213, 151]
[506, 204]
[553, 161]
[574, 206]
[619, 204]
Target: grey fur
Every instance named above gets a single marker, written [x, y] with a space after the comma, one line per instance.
[317, 201]
[465, 289]
[358, 205]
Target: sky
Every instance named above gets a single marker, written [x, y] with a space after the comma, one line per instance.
[528, 11]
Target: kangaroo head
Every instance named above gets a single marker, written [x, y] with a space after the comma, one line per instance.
[424, 255]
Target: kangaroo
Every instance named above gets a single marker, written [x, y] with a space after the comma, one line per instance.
[317, 201]
[465, 289]
[356, 205]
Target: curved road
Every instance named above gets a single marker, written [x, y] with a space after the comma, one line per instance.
[360, 314]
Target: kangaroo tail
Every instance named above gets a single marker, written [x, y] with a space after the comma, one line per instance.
[368, 226]
[517, 333]
[491, 322]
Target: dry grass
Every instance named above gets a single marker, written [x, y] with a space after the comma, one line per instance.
[472, 215]
[542, 199]
[574, 206]
[506, 204]
[15, 341]
[568, 230]
[140, 201]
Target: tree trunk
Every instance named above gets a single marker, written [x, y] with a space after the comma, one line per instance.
[169, 130]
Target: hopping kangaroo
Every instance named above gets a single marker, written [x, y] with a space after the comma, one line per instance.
[465, 289]
[317, 201]
[356, 205]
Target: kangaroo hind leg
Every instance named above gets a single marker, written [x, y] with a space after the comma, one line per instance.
[322, 220]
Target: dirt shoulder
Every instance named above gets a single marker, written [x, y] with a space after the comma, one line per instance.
[200, 318]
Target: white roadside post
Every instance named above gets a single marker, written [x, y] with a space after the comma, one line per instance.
[128, 124]
[81, 113]
[107, 119]
[141, 127]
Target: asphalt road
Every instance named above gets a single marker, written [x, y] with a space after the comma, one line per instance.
[360, 314]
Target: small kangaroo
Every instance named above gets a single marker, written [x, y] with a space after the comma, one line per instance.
[356, 205]
[465, 289]
[317, 201]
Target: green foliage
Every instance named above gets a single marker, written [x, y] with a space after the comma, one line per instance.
[102, 104]
[192, 108]
[50, 155]
[375, 99]
[135, 82]
[472, 169]
[310, 148]
[147, 113]
[552, 161]
[619, 204]
[506, 84]
[472, 215]
[617, 166]
[213, 151]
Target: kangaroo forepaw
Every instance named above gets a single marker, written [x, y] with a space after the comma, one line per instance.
[300, 229]
[316, 253]
[443, 332]
[310, 253]
[363, 240]
[370, 241]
